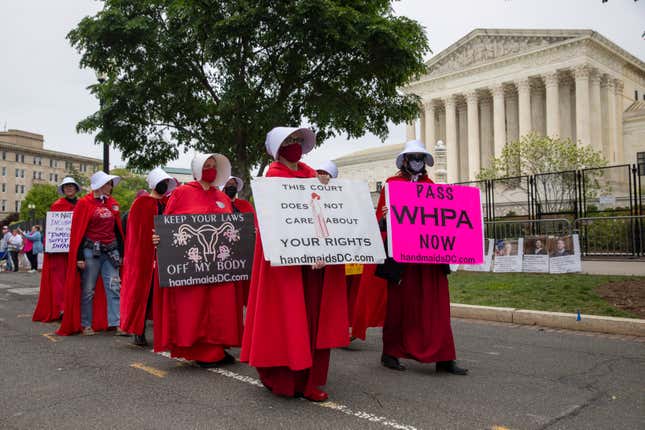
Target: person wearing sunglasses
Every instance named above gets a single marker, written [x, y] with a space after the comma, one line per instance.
[295, 314]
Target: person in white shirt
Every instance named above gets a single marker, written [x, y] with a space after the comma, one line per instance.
[14, 245]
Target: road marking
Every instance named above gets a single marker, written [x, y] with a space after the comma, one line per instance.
[51, 336]
[5, 286]
[384, 421]
[25, 291]
[23, 315]
[151, 370]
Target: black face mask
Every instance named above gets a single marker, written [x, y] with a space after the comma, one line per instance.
[162, 187]
[230, 191]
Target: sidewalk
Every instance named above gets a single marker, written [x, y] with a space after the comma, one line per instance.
[614, 267]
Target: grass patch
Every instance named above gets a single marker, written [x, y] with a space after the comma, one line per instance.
[541, 292]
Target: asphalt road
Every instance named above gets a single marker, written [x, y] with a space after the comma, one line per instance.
[521, 378]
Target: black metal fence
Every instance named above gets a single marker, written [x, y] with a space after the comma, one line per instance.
[603, 205]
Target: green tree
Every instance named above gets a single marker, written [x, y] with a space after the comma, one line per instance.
[42, 196]
[553, 163]
[217, 75]
[126, 191]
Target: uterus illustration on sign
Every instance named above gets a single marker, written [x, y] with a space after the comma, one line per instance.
[208, 241]
[320, 224]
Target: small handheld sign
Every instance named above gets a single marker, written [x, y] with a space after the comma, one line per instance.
[204, 249]
[434, 223]
[58, 226]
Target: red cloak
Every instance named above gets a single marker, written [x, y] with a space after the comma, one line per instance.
[197, 322]
[277, 330]
[139, 263]
[243, 287]
[72, 316]
[52, 280]
[415, 312]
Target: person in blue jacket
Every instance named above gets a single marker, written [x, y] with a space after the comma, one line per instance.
[37, 246]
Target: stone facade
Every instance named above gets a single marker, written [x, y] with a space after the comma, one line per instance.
[493, 86]
[24, 162]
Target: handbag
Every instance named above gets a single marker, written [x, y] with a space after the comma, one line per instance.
[390, 270]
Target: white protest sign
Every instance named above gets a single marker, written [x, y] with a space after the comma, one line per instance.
[57, 230]
[565, 254]
[302, 221]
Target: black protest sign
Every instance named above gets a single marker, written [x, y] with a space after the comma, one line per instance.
[204, 249]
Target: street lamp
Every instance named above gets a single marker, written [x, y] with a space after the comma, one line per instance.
[102, 77]
[32, 210]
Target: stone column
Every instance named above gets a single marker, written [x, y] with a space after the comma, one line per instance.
[410, 131]
[429, 137]
[524, 106]
[566, 131]
[610, 149]
[422, 124]
[499, 120]
[620, 153]
[596, 113]
[552, 84]
[452, 153]
[512, 118]
[538, 110]
[583, 112]
[486, 131]
[473, 135]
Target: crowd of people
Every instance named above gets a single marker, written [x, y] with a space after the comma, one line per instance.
[18, 244]
[294, 316]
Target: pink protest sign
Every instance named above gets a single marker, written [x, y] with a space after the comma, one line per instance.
[434, 223]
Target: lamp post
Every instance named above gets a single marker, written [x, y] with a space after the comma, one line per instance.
[32, 210]
[102, 77]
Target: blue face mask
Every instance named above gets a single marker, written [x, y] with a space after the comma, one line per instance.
[416, 165]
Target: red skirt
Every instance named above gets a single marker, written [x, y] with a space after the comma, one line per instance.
[286, 382]
[417, 322]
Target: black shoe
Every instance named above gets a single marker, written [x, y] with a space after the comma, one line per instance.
[140, 340]
[228, 359]
[391, 362]
[206, 364]
[451, 367]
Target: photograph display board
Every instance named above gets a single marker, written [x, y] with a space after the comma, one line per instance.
[536, 254]
[508, 255]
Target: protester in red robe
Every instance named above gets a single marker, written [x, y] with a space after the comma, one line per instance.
[52, 282]
[295, 314]
[417, 320]
[199, 322]
[95, 249]
[231, 188]
[140, 259]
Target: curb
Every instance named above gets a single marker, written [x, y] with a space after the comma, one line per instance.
[594, 323]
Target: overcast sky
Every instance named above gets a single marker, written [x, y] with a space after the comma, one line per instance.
[43, 90]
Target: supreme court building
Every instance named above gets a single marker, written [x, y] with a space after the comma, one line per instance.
[493, 86]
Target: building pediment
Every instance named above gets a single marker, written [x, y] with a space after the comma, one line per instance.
[484, 46]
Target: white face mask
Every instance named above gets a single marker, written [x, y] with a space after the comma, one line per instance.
[416, 165]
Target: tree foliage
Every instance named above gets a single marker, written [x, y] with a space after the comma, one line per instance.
[41, 196]
[126, 191]
[552, 165]
[534, 154]
[215, 76]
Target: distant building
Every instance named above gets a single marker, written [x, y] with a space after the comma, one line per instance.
[182, 175]
[493, 86]
[24, 162]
